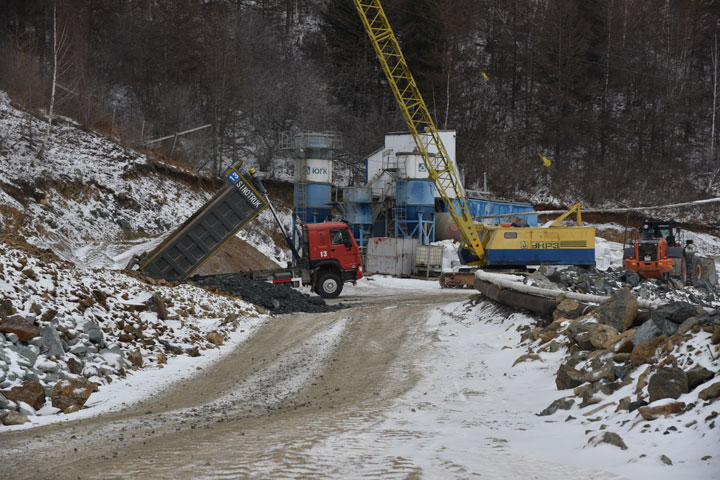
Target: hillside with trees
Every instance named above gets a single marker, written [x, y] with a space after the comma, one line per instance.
[621, 95]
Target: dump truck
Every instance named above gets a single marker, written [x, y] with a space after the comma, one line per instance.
[330, 256]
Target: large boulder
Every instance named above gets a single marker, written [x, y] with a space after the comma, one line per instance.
[28, 355]
[601, 334]
[646, 331]
[651, 413]
[670, 316]
[668, 382]
[52, 342]
[569, 309]
[621, 343]
[70, 394]
[568, 377]
[644, 352]
[601, 367]
[31, 393]
[580, 329]
[17, 324]
[698, 375]
[675, 312]
[619, 311]
[94, 333]
[14, 418]
[713, 391]
[631, 278]
[688, 325]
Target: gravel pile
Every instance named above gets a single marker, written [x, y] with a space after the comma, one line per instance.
[275, 298]
[599, 282]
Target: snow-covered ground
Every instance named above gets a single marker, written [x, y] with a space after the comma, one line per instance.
[450, 424]
[471, 414]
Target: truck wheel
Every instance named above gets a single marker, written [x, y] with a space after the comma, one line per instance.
[328, 285]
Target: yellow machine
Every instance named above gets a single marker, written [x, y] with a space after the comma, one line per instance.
[486, 245]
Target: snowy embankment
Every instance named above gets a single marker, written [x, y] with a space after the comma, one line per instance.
[87, 194]
[103, 329]
[475, 413]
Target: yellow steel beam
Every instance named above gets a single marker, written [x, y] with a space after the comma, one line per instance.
[578, 218]
[418, 119]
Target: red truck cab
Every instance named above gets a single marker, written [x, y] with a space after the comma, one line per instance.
[333, 257]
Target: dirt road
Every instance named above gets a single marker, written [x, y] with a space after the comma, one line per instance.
[301, 379]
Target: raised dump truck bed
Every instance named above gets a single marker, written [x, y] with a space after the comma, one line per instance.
[191, 244]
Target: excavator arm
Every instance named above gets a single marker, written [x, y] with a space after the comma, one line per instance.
[418, 119]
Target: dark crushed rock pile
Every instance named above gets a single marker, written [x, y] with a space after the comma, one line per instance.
[599, 282]
[275, 298]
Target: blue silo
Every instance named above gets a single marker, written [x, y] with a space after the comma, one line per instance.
[415, 209]
[358, 210]
[312, 196]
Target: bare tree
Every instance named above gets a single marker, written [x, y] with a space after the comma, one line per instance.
[60, 60]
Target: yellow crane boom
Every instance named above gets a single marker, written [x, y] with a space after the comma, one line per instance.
[418, 119]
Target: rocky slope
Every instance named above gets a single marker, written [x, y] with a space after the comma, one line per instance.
[66, 332]
[623, 369]
[69, 322]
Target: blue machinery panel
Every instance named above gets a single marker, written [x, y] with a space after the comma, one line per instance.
[557, 256]
[516, 257]
[357, 211]
[311, 202]
[480, 208]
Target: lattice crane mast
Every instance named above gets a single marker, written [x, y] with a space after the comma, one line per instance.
[418, 119]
